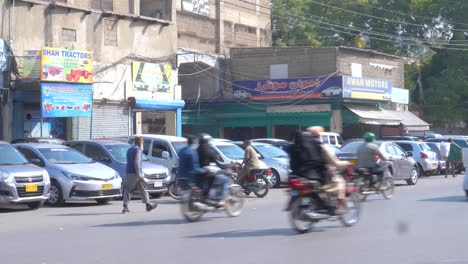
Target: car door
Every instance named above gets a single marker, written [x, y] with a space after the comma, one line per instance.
[406, 162]
[158, 147]
[390, 152]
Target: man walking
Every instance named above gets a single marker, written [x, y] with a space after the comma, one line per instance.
[134, 178]
[444, 153]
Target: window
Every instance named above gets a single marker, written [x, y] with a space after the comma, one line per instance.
[406, 147]
[77, 146]
[146, 145]
[389, 148]
[158, 149]
[325, 139]
[332, 140]
[110, 32]
[107, 5]
[399, 151]
[340, 140]
[17, 159]
[68, 35]
[96, 153]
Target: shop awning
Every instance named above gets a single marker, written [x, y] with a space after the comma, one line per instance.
[156, 105]
[377, 116]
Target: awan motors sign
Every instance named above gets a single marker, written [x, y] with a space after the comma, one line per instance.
[69, 66]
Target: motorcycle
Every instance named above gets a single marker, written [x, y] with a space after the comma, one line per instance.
[368, 183]
[179, 188]
[195, 204]
[310, 203]
[258, 182]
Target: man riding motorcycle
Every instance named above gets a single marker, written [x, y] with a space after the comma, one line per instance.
[207, 156]
[366, 156]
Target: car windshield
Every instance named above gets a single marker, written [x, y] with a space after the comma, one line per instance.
[119, 152]
[179, 145]
[64, 156]
[353, 146]
[270, 151]
[11, 156]
[231, 151]
[461, 142]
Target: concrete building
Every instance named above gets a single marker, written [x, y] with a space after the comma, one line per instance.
[126, 37]
[274, 91]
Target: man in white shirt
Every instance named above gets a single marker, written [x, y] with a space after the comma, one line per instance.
[444, 153]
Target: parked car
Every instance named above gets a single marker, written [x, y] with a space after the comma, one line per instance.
[460, 141]
[331, 138]
[242, 94]
[20, 181]
[465, 178]
[114, 154]
[401, 165]
[423, 154]
[229, 152]
[441, 163]
[38, 140]
[423, 135]
[74, 177]
[332, 148]
[275, 158]
[162, 150]
[279, 143]
[394, 138]
[332, 91]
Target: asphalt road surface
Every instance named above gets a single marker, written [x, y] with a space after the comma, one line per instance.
[426, 223]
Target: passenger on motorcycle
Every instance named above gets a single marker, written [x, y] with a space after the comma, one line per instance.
[205, 180]
[249, 163]
[366, 154]
[189, 164]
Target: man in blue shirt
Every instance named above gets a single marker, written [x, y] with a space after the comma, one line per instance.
[135, 178]
[188, 161]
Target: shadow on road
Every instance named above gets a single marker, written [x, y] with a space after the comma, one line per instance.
[248, 233]
[85, 214]
[459, 199]
[145, 223]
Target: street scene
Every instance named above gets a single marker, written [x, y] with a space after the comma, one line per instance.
[233, 131]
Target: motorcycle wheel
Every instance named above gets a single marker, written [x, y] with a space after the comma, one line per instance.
[178, 191]
[263, 181]
[299, 220]
[234, 201]
[189, 211]
[353, 210]
[389, 186]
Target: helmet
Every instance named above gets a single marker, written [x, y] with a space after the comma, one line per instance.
[204, 138]
[369, 137]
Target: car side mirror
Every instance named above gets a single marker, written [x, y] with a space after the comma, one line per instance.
[165, 155]
[409, 154]
[38, 162]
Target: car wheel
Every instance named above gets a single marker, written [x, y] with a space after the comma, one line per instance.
[103, 200]
[414, 176]
[275, 179]
[35, 205]
[421, 170]
[55, 194]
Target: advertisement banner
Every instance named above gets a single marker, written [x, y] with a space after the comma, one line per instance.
[66, 100]
[151, 77]
[63, 65]
[400, 96]
[3, 56]
[31, 65]
[201, 7]
[319, 87]
[366, 88]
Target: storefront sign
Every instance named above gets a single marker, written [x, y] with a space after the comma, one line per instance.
[400, 96]
[66, 100]
[201, 7]
[3, 56]
[151, 77]
[365, 88]
[63, 65]
[319, 87]
[31, 65]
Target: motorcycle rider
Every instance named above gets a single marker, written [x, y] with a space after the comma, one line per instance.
[206, 156]
[249, 163]
[189, 164]
[366, 154]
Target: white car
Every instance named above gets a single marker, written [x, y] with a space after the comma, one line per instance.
[332, 91]
[465, 178]
[242, 94]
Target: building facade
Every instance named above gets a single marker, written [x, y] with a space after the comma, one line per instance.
[133, 45]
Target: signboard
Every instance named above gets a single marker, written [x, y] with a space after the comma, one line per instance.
[3, 56]
[201, 7]
[63, 65]
[400, 96]
[319, 87]
[66, 100]
[31, 65]
[365, 88]
[151, 77]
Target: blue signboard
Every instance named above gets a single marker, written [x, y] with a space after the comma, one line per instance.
[306, 88]
[366, 88]
[66, 100]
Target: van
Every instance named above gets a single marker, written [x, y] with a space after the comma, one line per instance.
[331, 138]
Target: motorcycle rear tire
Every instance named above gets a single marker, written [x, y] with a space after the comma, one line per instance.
[189, 212]
[264, 191]
[234, 201]
[300, 222]
[350, 218]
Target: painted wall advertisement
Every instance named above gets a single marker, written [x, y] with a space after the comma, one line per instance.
[66, 100]
[201, 7]
[31, 65]
[63, 65]
[319, 87]
[366, 88]
[151, 77]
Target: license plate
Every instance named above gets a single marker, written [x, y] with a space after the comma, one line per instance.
[158, 184]
[31, 187]
[106, 186]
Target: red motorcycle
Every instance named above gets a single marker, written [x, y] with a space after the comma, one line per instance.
[310, 203]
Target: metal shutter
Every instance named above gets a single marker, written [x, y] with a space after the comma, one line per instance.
[109, 120]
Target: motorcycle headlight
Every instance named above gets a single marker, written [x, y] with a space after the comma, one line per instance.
[7, 178]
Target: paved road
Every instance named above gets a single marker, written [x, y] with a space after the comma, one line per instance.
[426, 223]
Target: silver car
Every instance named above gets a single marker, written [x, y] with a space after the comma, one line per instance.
[114, 154]
[422, 154]
[21, 181]
[74, 177]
